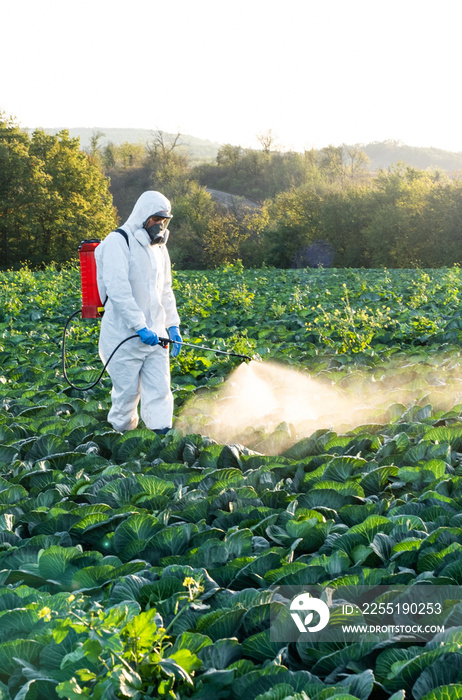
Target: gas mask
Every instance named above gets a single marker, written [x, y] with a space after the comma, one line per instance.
[158, 232]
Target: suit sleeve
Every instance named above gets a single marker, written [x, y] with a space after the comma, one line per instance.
[114, 257]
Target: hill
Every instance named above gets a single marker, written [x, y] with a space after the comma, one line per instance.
[382, 154]
[199, 150]
[385, 153]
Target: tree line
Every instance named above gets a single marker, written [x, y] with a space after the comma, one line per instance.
[319, 207]
[289, 209]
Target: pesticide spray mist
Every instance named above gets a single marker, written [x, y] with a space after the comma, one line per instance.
[262, 397]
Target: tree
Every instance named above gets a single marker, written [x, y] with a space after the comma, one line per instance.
[52, 195]
[229, 156]
[396, 213]
[95, 148]
[343, 218]
[441, 228]
[268, 141]
[341, 164]
[163, 147]
[192, 213]
[294, 224]
[109, 156]
[13, 176]
[228, 232]
[77, 203]
[331, 163]
[169, 165]
[357, 162]
[126, 155]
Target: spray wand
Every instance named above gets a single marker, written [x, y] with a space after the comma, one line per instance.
[165, 341]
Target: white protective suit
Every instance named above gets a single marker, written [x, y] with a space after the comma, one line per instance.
[137, 282]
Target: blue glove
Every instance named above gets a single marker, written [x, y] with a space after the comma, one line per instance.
[148, 336]
[174, 334]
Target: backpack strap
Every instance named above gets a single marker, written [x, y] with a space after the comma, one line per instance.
[124, 234]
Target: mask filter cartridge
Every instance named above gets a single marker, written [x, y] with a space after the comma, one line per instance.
[156, 233]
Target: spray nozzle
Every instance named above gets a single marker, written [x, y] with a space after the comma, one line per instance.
[256, 358]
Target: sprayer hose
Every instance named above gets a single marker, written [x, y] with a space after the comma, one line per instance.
[63, 357]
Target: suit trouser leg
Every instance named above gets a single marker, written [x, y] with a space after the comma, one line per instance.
[125, 374]
[156, 394]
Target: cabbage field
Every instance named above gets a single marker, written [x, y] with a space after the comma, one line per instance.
[137, 566]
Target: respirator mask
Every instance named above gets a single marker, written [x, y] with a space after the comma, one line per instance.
[158, 231]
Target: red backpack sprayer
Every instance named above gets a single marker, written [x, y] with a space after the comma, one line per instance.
[93, 307]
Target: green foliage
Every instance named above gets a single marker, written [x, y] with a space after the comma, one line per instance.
[260, 175]
[284, 209]
[404, 218]
[52, 196]
[136, 565]
[123, 651]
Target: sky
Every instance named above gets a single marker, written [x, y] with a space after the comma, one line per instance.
[314, 72]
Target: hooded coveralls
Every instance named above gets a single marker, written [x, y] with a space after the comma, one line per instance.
[137, 282]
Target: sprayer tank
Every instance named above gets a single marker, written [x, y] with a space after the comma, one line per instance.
[91, 302]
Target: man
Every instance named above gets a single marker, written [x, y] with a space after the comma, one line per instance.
[134, 276]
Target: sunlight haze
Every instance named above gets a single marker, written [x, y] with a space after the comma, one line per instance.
[315, 73]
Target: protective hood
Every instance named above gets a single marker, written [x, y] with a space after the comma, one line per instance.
[147, 205]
